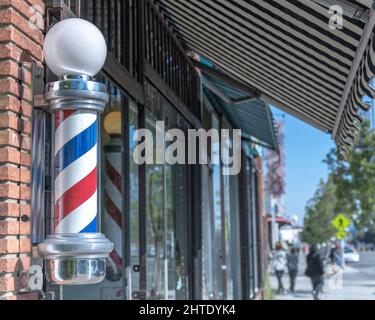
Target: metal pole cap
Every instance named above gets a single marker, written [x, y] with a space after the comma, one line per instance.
[76, 92]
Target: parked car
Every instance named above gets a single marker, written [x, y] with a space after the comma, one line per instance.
[351, 255]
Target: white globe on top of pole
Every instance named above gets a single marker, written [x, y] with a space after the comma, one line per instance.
[75, 47]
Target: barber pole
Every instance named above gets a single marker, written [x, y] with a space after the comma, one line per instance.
[76, 174]
[112, 222]
[75, 252]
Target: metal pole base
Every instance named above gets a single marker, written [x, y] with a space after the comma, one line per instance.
[75, 259]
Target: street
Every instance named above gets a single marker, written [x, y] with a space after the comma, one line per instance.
[356, 283]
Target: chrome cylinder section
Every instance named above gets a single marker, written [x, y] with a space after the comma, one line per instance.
[76, 252]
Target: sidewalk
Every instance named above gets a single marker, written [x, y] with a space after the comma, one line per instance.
[355, 284]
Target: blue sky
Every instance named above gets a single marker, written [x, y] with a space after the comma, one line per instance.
[305, 149]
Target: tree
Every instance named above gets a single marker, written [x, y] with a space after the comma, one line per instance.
[354, 178]
[320, 211]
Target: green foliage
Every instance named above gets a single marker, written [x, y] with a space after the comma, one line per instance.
[320, 211]
[268, 292]
[350, 190]
[354, 179]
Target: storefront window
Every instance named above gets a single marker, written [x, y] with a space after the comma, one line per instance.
[167, 211]
[234, 251]
[208, 286]
[133, 272]
[218, 253]
[254, 230]
[231, 229]
[251, 233]
[177, 213]
[155, 206]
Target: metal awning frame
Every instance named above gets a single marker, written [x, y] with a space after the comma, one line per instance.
[368, 32]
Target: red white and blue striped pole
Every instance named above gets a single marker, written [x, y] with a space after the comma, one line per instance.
[76, 171]
[75, 253]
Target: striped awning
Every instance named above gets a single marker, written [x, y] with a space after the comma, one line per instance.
[287, 51]
[253, 117]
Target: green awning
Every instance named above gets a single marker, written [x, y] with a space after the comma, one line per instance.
[252, 116]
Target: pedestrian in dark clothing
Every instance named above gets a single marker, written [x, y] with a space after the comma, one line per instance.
[333, 255]
[315, 270]
[292, 260]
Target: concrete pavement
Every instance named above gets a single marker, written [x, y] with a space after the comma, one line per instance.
[355, 282]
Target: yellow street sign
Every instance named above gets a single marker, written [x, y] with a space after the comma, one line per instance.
[341, 222]
[340, 235]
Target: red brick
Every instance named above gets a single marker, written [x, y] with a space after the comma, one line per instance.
[9, 121]
[24, 228]
[14, 264]
[8, 284]
[8, 209]
[25, 192]
[25, 159]
[12, 69]
[9, 137]
[12, 138]
[27, 93]
[9, 191]
[25, 142]
[9, 173]
[12, 86]
[10, 155]
[26, 108]
[25, 175]
[9, 227]
[11, 16]
[9, 246]
[25, 210]
[10, 33]
[25, 245]
[24, 263]
[10, 51]
[23, 6]
[12, 103]
[26, 126]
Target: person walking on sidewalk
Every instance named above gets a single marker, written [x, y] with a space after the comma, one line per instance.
[315, 270]
[279, 265]
[292, 260]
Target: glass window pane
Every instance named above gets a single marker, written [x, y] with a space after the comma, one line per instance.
[133, 279]
[167, 211]
[218, 252]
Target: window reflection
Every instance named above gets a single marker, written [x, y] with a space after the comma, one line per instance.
[218, 253]
[231, 229]
[133, 274]
[166, 205]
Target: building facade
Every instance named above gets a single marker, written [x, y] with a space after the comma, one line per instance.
[179, 231]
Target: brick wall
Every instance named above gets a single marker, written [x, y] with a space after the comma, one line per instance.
[20, 45]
